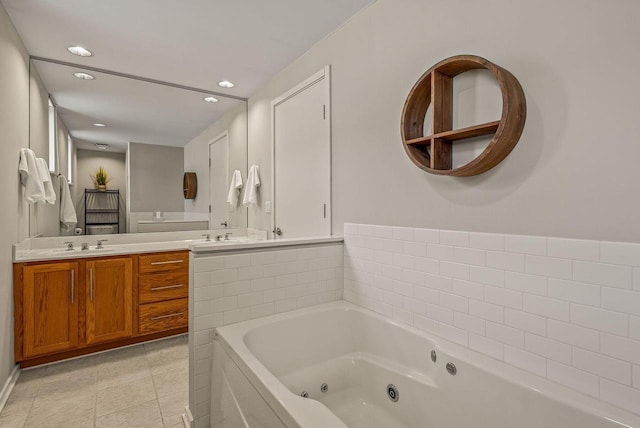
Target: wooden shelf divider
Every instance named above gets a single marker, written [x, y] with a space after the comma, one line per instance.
[469, 132]
[458, 134]
[421, 141]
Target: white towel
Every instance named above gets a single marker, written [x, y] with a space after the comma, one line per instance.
[45, 176]
[68, 217]
[234, 189]
[28, 168]
[251, 190]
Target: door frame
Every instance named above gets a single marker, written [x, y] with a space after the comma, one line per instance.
[220, 136]
[323, 74]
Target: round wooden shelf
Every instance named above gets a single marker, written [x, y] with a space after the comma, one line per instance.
[189, 185]
[433, 153]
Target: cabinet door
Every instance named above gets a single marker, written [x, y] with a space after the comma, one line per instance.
[109, 299]
[50, 308]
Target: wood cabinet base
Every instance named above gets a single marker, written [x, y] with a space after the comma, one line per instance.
[64, 309]
[100, 347]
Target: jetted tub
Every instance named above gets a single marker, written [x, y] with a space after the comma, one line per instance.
[378, 373]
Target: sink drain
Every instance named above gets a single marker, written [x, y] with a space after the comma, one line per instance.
[392, 392]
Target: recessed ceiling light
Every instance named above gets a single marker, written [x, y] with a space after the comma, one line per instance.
[101, 146]
[210, 99]
[79, 50]
[99, 125]
[84, 76]
[226, 84]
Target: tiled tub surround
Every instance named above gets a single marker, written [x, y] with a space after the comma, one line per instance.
[567, 310]
[232, 286]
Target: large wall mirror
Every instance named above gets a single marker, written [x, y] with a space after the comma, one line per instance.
[145, 135]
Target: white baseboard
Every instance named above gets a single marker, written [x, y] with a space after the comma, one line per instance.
[187, 417]
[8, 386]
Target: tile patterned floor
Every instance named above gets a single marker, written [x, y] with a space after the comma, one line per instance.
[141, 386]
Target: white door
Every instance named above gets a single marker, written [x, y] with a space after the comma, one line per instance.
[218, 180]
[302, 159]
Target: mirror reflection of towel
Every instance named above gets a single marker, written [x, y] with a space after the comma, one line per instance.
[45, 176]
[68, 216]
[234, 189]
[251, 190]
[29, 177]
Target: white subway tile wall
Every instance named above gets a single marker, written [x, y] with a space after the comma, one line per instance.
[565, 309]
[237, 287]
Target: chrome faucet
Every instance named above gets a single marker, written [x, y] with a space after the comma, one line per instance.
[207, 237]
[85, 246]
[225, 224]
[226, 236]
[218, 237]
[99, 246]
[69, 245]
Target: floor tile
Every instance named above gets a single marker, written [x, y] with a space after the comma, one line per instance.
[32, 375]
[26, 389]
[121, 354]
[120, 388]
[20, 401]
[171, 382]
[12, 420]
[176, 359]
[69, 389]
[120, 397]
[79, 367]
[76, 412]
[141, 416]
[166, 345]
[78, 421]
[172, 407]
[122, 371]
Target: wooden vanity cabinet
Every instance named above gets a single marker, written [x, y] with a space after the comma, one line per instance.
[109, 301]
[63, 309]
[50, 308]
[163, 291]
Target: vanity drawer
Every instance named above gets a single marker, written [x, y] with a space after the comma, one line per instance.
[163, 262]
[163, 286]
[164, 315]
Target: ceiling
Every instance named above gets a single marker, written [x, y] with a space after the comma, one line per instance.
[194, 43]
[191, 42]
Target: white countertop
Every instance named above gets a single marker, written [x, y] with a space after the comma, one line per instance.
[24, 252]
[21, 256]
[213, 247]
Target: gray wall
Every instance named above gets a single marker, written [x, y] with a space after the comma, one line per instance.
[39, 110]
[88, 162]
[574, 172]
[14, 123]
[155, 174]
[40, 221]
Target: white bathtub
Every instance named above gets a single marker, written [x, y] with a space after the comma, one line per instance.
[262, 366]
